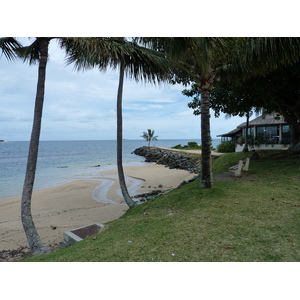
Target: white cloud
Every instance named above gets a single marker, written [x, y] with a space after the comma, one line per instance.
[82, 105]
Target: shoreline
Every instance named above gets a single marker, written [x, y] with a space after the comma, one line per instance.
[73, 204]
[80, 174]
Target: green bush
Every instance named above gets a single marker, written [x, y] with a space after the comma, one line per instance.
[226, 147]
[177, 147]
[189, 146]
[193, 145]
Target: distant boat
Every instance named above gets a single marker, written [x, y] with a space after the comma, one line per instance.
[1, 141]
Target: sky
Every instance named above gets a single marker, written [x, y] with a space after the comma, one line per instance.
[81, 105]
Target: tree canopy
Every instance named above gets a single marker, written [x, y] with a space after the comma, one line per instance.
[264, 74]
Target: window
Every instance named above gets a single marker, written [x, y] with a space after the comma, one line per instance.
[267, 134]
[250, 131]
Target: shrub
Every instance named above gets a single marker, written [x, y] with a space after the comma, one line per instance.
[177, 147]
[226, 147]
[189, 146]
[193, 145]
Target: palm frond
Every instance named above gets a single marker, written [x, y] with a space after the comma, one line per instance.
[259, 56]
[141, 63]
[9, 45]
[30, 53]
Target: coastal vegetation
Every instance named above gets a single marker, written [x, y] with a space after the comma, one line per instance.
[272, 89]
[36, 52]
[149, 136]
[207, 63]
[133, 61]
[228, 68]
[226, 147]
[252, 218]
[189, 146]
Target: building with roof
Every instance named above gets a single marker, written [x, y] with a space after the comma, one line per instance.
[265, 131]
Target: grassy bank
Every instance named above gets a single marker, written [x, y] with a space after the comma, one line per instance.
[252, 218]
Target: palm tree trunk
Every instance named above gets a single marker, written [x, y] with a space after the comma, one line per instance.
[206, 167]
[35, 243]
[122, 181]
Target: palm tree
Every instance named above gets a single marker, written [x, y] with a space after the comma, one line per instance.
[201, 59]
[207, 60]
[149, 136]
[121, 175]
[37, 51]
[133, 60]
[9, 46]
[208, 55]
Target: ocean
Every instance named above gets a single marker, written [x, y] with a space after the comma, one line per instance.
[60, 162]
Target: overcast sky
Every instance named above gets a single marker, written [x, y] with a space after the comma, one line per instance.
[82, 105]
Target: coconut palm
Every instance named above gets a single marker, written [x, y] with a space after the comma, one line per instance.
[149, 136]
[121, 175]
[133, 60]
[37, 51]
[208, 55]
[208, 60]
[201, 59]
[9, 46]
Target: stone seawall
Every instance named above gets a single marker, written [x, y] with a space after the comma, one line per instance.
[169, 158]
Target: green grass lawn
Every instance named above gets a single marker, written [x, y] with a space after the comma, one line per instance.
[252, 218]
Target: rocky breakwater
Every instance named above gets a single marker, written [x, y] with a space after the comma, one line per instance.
[169, 158]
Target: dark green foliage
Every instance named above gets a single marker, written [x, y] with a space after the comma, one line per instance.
[226, 147]
[8, 47]
[189, 146]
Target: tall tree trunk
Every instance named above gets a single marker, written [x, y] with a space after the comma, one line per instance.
[292, 117]
[246, 136]
[122, 181]
[35, 243]
[295, 139]
[206, 167]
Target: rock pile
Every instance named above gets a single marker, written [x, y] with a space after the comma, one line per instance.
[169, 158]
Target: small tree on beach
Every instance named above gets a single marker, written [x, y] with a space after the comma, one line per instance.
[149, 136]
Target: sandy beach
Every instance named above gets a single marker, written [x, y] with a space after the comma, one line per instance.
[82, 202]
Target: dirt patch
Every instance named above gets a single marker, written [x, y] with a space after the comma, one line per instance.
[20, 253]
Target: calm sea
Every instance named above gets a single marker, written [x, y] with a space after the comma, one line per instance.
[63, 161]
